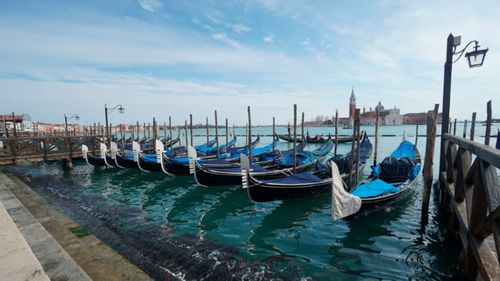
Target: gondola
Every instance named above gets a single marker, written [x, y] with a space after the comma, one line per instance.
[281, 166]
[316, 139]
[304, 183]
[94, 160]
[180, 165]
[389, 181]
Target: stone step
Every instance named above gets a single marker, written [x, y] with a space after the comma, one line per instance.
[54, 260]
[95, 258]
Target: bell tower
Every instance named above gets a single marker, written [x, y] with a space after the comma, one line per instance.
[352, 104]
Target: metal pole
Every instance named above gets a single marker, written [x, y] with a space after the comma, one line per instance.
[446, 97]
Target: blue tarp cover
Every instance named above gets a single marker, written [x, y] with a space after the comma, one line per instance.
[405, 149]
[210, 149]
[205, 145]
[304, 178]
[374, 188]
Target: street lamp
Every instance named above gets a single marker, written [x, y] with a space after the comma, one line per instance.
[66, 118]
[475, 58]
[107, 110]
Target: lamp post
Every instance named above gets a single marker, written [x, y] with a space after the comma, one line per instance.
[109, 110]
[66, 118]
[68, 140]
[475, 58]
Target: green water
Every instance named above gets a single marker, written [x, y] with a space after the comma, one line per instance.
[217, 233]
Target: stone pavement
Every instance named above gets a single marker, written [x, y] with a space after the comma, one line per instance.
[17, 261]
[62, 255]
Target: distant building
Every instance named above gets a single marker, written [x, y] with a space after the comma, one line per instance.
[352, 105]
[419, 118]
[391, 116]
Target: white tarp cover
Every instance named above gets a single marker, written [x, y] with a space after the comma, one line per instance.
[344, 204]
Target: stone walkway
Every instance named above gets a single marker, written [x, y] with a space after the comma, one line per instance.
[17, 261]
[61, 254]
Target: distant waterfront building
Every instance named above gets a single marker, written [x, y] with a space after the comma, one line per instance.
[352, 105]
[418, 118]
[391, 116]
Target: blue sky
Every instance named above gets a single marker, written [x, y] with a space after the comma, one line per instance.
[160, 57]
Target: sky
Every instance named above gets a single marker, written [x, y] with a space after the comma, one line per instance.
[160, 58]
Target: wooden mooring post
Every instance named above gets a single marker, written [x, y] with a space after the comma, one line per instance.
[473, 126]
[358, 140]
[294, 137]
[428, 163]
[191, 128]
[488, 124]
[336, 131]
[249, 135]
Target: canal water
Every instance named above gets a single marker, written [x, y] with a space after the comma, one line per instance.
[171, 226]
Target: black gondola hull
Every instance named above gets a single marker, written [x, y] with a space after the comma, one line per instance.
[176, 168]
[210, 177]
[126, 162]
[262, 193]
[96, 161]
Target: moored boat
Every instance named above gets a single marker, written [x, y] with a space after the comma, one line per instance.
[304, 183]
[389, 181]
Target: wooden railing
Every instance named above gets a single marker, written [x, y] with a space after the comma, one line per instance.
[470, 190]
[40, 148]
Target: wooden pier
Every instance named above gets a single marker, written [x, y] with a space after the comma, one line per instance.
[470, 191]
[23, 149]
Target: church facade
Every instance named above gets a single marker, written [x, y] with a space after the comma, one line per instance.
[390, 116]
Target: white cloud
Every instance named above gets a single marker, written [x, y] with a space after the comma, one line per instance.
[269, 38]
[151, 5]
[239, 28]
[224, 38]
